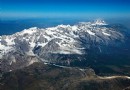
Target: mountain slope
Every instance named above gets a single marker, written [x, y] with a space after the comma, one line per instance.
[49, 77]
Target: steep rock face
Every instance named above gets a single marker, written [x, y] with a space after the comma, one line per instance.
[60, 42]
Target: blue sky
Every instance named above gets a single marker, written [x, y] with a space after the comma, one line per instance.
[64, 8]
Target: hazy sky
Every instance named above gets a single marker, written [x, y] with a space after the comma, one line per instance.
[64, 8]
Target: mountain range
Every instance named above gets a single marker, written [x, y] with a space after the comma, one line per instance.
[83, 44]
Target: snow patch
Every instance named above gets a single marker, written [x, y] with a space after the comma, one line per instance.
[91, 33]
[106, 34]
[74, 28]
[9, 41]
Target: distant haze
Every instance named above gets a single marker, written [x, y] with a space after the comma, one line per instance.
[64, 8]
[12, 26]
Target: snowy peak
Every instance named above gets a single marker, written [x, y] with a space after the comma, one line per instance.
[28, 31]
[99, 22]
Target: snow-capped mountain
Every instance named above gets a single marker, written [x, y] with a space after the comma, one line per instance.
[43, 43]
